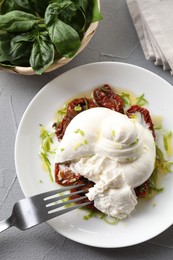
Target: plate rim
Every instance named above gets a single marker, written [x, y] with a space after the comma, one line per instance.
[44, 89]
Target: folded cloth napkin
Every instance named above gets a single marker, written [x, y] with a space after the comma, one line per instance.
[153, 21]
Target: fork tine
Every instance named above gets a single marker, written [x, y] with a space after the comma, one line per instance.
[60, 212]
[48, 194]
[51, 207]
[56, 198]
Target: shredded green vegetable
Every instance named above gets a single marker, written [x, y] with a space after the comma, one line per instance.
[45, 149]
[125, 98]
[141, 101]
[166, 140]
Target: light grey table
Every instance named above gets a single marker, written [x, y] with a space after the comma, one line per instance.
[115, 40]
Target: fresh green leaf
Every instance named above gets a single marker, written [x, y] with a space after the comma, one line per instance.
[93, 12]
[71, 13]
[24, 37]
[65, 10]
[82, 4]
[20, 5]
[42, 54]
[39, 6]
[63, 36]
[18, 21]
[25, 4]
[5, 40]
[11, 5]
[96, 15]
[79, 22]
[19, 51]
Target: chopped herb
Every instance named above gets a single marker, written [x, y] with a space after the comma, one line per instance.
[154, 204]
[135, 142]
[113, 133]
[63, 110]
[157, 127]
[78, 108]
[110, 220]
[79, 131]
[133, 116]
[100, 215]
[89, 215]
[141, 101]
[76, 146]
[85, 141]
[61, 113]
[62, 149]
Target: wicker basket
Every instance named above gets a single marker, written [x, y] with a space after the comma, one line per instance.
[29, 71]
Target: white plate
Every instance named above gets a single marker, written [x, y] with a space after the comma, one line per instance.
[147, 220]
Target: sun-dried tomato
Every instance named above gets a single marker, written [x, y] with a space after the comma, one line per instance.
[146, 115]
[74, 107]
[65, 177]
[142, 190]
[106, 97]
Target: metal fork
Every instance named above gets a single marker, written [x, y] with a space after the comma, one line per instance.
[37, 209]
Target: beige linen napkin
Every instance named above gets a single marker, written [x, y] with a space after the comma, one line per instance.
[153, 20]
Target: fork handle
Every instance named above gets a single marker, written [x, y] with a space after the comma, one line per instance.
[5, 224]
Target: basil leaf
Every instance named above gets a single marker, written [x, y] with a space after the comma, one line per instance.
[6, 65]
[11, 5]
[93, 12]
[39, 6]
[96, 15]
[19, 51]
[63, 36]
[5, 40]
[42, 54]
[24, 3]
[8, 6]
[65, 10]
[17, 21]
[83, 4]
[24, 37]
